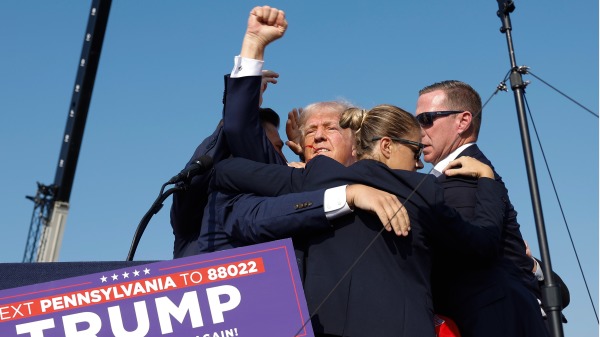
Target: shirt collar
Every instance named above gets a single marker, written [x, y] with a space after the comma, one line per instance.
[442, 164]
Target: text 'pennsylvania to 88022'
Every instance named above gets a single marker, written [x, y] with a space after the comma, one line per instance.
[224, 271]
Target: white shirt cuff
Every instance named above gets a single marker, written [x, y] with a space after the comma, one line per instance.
[334, 202]
[243, 67]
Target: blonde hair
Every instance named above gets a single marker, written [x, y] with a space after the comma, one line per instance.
[380, 121]
[329, 106]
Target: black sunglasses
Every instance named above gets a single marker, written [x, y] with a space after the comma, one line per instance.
[426, 118]
[418, 152]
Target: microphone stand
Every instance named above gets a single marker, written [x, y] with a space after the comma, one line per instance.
[156, 206]
[551, 293]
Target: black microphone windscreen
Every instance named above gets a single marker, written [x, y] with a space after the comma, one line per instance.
[205, 161]
[196, 167]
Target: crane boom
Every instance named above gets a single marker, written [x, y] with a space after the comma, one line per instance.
[48, 240]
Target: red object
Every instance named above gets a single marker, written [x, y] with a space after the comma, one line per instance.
[445, 327]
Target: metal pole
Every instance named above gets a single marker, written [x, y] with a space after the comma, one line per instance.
[551, 296]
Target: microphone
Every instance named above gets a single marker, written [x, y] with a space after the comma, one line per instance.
[199, 166]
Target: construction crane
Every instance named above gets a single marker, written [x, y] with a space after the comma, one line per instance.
[51, 202]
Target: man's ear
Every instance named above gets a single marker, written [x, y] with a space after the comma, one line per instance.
[464, 120]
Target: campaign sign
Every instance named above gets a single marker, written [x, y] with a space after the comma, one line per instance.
[244, 292]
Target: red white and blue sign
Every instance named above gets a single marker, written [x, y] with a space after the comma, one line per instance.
[243, 292]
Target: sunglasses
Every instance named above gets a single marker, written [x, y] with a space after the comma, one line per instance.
[418, 151]
[426, 118]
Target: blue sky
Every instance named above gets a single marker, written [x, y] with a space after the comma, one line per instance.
[159, 86]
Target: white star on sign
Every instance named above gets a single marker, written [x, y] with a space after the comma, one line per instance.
[146, 271]
[115, 277]
[103, 279]
[125, 275]
[136, 273]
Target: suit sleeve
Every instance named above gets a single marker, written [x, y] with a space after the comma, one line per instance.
[242, 127]
[254, 219]
[247, 176]
[480, 238]
[513, 245]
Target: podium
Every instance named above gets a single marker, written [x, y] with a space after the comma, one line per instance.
[15, 275]
[239, 291]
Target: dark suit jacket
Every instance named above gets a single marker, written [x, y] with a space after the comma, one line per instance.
[460, 195]
[239, 134]
[364, 282]
[491, 300]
